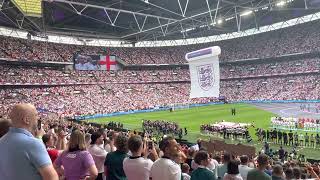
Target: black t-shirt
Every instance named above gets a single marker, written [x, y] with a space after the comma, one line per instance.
[279, 135]
[188, 161]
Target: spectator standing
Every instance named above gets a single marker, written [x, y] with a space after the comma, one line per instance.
[277, 173]
[289, 174]
[136, 166]
[185, 168]
[76, 162]
[223, 168]
[4, 126]
[98, 153]
[202, 172]
[297, 173]
[259, 173]
[243, 167]
[22, 155]
[233, 171]
[49, 143]
[114, 161]
[165, 167]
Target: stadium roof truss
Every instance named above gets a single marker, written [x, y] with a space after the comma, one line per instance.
[150, 22]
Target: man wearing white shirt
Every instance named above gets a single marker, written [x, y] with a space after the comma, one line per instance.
[98, 153]
[80, 63]
[165, 168]
[90, 64]
[243, 167]
[136, 167]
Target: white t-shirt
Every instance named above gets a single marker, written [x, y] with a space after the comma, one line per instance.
[80, 67]
[243, 170]
[213, 164]
[186, 176]
[165, 169]
[195, 147]
[89, 66]
[232, 177]
[137, 168]
[107, 147]
[99, 156]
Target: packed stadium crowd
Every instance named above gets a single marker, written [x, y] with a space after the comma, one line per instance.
[82, 151]
[39, 75]
[304, 65]
[297, 39]
[76, 151]
[12, 74]
[99, 99]
[108, 98]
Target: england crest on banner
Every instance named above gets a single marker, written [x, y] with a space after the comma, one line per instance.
[206, 76]
[204, 72]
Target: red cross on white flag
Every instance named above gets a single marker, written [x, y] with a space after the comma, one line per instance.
[108, 63]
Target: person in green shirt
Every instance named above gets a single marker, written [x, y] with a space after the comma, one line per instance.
[258, 173]
[202, 172]
[114, 160]
[223, 168]
[277, 173]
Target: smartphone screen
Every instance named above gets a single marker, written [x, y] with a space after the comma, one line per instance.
[150, 144]
[39, 124]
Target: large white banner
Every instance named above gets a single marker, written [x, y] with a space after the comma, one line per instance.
[204, 72]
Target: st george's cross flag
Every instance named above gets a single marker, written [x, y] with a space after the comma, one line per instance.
[108, 63]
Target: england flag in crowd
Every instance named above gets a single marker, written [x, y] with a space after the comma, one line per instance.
[108, 63]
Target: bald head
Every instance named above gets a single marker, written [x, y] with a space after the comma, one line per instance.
[24, 116]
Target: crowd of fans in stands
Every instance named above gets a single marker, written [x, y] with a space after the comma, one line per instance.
[108, 98]
[85, 151]
[13, 74]
[297, 39]
[265, 83]
[37, 75]
[99, 99]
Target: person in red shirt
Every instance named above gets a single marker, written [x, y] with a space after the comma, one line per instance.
[48, 141]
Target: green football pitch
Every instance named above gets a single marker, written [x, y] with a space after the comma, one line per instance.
[192, 119]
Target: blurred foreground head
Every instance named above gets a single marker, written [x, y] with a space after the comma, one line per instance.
[4, 126]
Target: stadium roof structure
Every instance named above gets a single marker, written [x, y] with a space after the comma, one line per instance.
[134, 21]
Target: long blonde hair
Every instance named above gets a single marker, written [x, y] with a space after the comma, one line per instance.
[76, 141]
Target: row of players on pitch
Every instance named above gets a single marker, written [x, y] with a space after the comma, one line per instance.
[289, 138]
